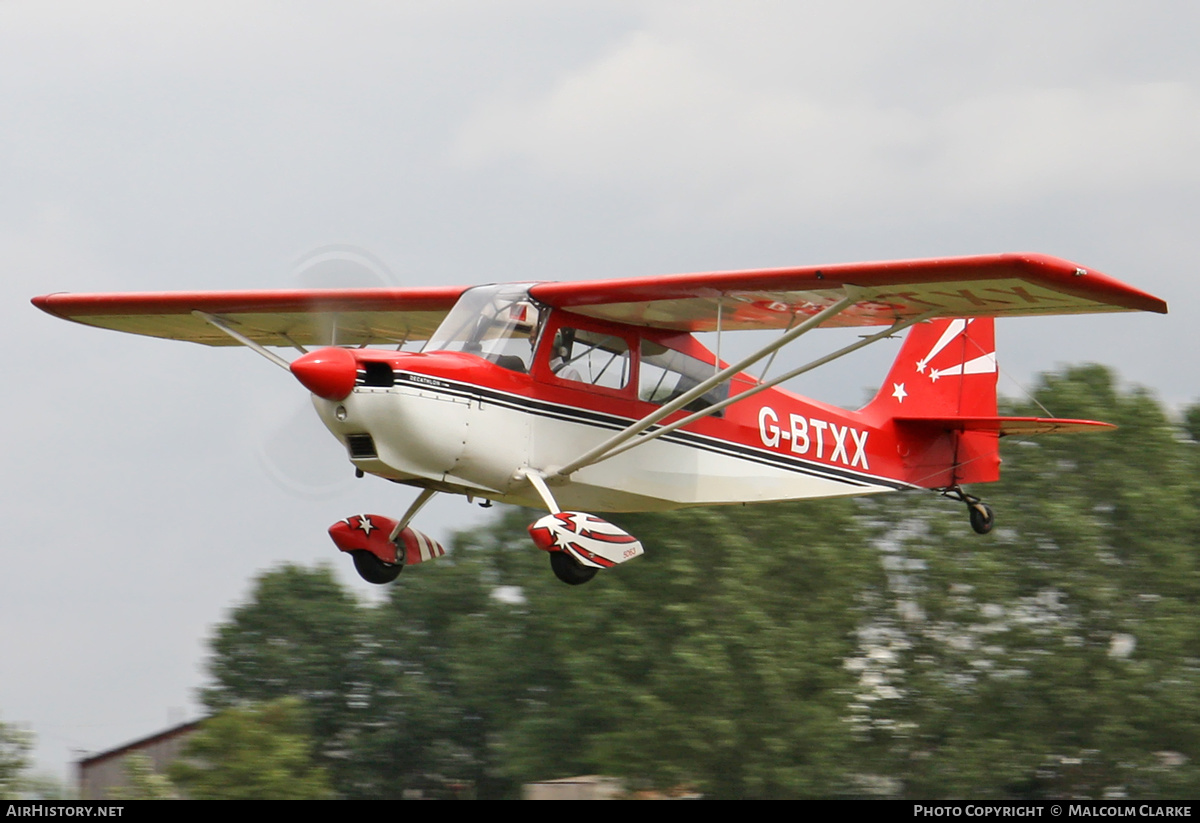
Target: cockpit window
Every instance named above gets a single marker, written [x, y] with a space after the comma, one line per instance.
[498, 323]
[666, 374]
[590, 357]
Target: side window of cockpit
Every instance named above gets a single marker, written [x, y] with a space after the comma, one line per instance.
[590, 357]
[665, 374]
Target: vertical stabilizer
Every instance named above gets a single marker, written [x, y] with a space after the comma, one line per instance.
[941, 385]
[945, 368]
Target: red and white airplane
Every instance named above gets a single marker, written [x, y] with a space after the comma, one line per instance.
[595, 396]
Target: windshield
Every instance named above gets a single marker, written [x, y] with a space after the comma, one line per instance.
[499, 323]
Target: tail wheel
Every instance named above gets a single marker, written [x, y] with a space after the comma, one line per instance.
[373, 570]
[570, 571]
[982, 517]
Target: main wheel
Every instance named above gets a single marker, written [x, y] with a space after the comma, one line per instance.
[373, 570]
[569, 570]
[982, 517]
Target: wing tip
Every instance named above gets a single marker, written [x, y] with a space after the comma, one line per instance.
[45, 302]
[1122, 294]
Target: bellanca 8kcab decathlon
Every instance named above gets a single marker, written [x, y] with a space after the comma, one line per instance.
[593, 397]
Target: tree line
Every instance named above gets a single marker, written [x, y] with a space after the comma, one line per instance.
[871, 647]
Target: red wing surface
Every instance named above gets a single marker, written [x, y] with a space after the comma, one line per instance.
[1000, 285]
[303, 317]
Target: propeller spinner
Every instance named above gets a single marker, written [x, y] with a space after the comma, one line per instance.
[329, 373]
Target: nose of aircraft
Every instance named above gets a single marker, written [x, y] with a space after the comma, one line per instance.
[330, 373]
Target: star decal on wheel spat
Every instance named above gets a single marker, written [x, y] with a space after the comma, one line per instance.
[364, 523]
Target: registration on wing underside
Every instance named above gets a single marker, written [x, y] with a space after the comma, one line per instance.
[740, 310]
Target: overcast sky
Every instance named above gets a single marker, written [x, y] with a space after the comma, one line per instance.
[225, 145]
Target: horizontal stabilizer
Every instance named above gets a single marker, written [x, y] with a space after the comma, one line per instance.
[1006, 425]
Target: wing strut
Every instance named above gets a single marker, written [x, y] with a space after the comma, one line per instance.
[717, 361]
[898, 326]
[243, 339]
[600, 452]
[771, 359]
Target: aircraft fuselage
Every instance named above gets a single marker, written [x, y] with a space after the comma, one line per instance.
[456, 422]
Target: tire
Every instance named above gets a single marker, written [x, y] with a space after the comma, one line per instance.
[982, 517]
[569, 571]
[373, 570]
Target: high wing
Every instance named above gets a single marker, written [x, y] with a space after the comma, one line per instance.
[998, 285]
[297, 317]
[882, 294]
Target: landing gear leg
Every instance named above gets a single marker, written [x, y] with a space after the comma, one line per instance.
[983, 519]
[424, 497]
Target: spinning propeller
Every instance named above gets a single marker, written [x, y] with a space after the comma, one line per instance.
[285, 443]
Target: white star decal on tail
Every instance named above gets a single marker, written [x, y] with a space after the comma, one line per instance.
[982, 364]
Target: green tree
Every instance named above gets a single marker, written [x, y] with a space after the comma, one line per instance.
[375, 680]
[714, 662]
[256, 752]
[829, 648]
[1060, 655]
[143, 782]
[302, 635]
[440, 625]
[15, 745]
[1191, 422]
